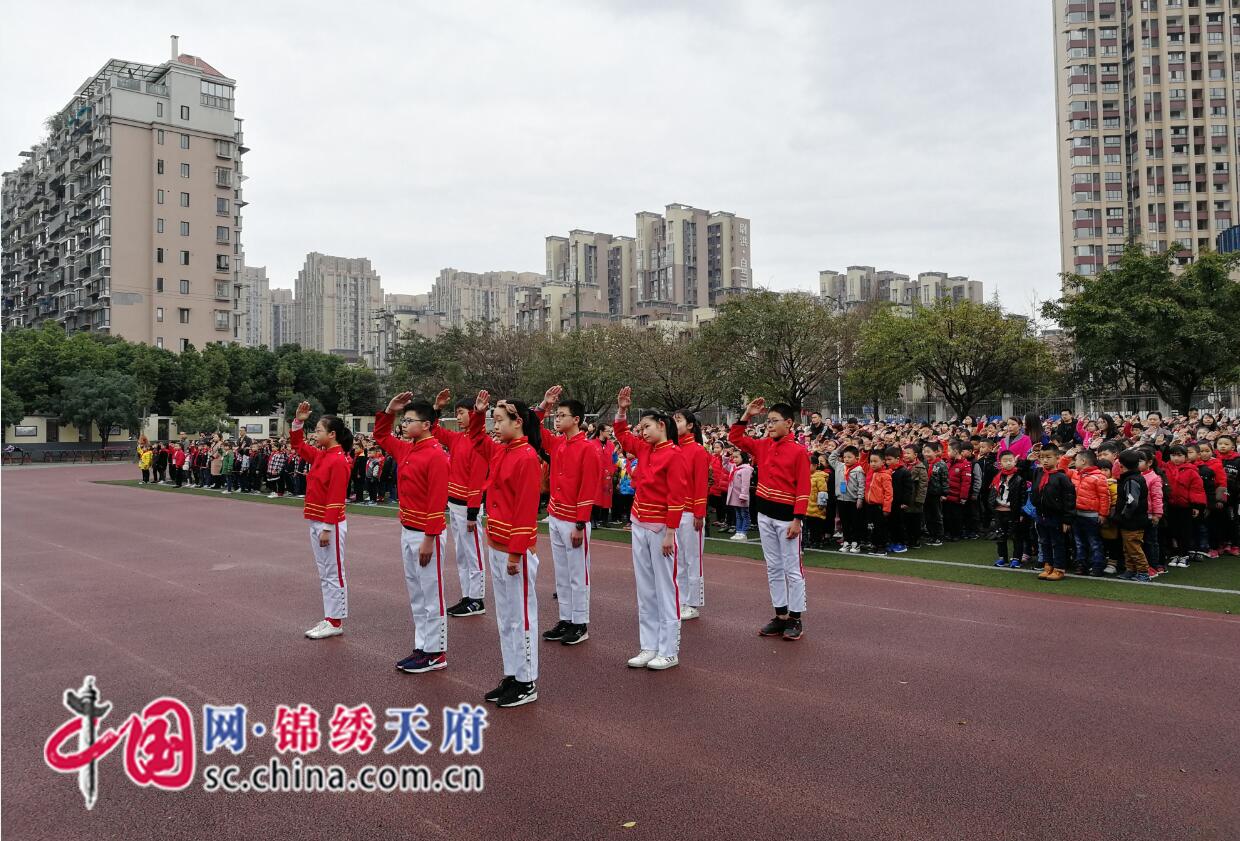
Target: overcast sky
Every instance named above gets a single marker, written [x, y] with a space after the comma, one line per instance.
[905, 135]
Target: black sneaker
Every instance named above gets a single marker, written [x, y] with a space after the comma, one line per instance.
[496, 693]
[575, 634]
[518, 693]
[557, 633]
[792, 630]
[459, 609]
[407, 663]
[471, 607]
[774, 628]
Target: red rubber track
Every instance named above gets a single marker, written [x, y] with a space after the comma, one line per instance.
[911, 709]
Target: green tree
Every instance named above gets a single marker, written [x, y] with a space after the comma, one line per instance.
[1178, 330]
[290, 406]
[31, 360]
[963, 351]
[673, 371]
[106, 399]
[784, 347]
[201, 414]
[592, 365]
[11, 407]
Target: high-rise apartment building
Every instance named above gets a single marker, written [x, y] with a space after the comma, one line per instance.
[1147, 93]
[597, 269]
[283, 318]
[127, 218]
[252, 319]
[687, 258]
[338, 300]
[464, 297]
[860, 285]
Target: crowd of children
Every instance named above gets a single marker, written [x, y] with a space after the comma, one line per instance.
[1133, 497]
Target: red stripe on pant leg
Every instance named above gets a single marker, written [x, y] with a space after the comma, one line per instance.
[439, 575]
[675, 586]
[801, 553]
[477, 548]
[339, 569]
[525, 593]
[585, 559]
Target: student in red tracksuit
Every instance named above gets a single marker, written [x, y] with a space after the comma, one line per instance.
[327, 484]
[574, 481]
[513, 486]
[661, 491]
[467, 473]
[783, 497]
[1186, 506]
[691, 533]
[422, 490]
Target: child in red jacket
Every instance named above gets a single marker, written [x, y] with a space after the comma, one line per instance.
[878, 498]
[959, 486]
[1187, 504]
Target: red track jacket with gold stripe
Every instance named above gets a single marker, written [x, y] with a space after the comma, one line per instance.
[421, 477]
[697, 474]
[467, 470]
[513, 487]
[661, 483]
[576, 473]
[783, 473]
[327, 483]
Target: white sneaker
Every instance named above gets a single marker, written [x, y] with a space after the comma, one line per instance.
[325, 629]
[658, 664]
[740, 535]
[642, 659]
[1110, 569]
[688, 611]
[271, 496]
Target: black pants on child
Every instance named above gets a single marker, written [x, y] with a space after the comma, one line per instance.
[1008, 526]
[851, 521]
[933, 515]
[912, 529]
[953, 520]
[895, 527]
[815, 528]
[877, 523]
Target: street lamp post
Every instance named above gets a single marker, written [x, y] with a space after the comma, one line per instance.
[839, 351]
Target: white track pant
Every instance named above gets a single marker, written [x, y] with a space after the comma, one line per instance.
[425, 586]
[784, 571]
[572, 571]
[516, 613]
[469, 561]
[689, 578]
[658, 599]
[330, 561]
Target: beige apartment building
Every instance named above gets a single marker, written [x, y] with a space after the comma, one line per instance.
[859, 285]
[687, 258]
[1146, 93]
[490, 297]
[252, 305]
[338, 301]
[127, 219]
[597, 270]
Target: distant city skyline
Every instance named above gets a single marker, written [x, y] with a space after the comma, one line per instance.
[404, 141]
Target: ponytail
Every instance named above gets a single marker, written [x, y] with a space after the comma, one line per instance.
[336, 424]
[531, 425]
[1033, 427]
[692, 422]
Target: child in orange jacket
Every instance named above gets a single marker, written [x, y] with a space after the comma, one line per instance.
[878, 496]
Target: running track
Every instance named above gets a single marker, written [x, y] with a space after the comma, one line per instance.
[910, 710]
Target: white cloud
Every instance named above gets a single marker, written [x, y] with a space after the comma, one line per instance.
[905, 135]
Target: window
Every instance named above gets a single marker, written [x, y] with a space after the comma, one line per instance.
[159, 112]
[159, 284]
[159, 255]
[184, 229]
[184, 287]
[184, 199]
[221, 204]
[185, 170]
[159, 341]
[223, 148]
[223, 176]
[159, 313]
[159, 167]
[222, 320]
[221, 262]
[159, 196]
[184, 258]
[183, 314]
[184, 345]
[159, 226]
[159, 136]
[184, 112]
[221, 289]
[185, 141]
[221, 233]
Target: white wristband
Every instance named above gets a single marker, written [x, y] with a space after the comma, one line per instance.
[297, 424]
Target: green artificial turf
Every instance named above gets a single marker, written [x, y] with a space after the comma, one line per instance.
[975, 558]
